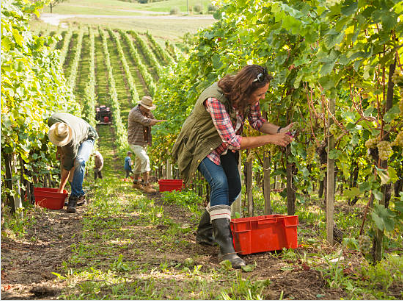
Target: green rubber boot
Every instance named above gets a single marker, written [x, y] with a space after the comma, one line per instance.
[223, 236]
[204, 234]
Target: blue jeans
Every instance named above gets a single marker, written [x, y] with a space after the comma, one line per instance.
[84, 152]
[224, 179]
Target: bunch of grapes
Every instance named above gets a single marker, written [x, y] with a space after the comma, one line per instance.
[297, 126]
[269, 148]
[251, 156]
[371, 143]
[384, 150]
[310, 153]
[334, 130]
[399, 140]
[397, 78]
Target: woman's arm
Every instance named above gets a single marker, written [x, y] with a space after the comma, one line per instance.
[281, 139]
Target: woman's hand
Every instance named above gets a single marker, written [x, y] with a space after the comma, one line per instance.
[287, 128]
[281, 139]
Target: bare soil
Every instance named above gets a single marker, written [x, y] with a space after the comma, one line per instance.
[28, 264]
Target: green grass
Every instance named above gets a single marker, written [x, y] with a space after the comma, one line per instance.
[120, 7]
[171, 28]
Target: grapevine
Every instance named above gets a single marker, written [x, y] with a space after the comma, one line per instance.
[310, 153]
[371, 143]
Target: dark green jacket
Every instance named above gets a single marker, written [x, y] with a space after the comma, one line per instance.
[198, 136]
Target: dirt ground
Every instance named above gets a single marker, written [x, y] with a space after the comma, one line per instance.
[28, 264]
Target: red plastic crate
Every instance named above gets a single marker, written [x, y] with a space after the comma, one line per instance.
[170, 185]
[264, 233]
[49, 198]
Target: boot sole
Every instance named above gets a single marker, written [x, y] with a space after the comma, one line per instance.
[205, 243]
[236, 261]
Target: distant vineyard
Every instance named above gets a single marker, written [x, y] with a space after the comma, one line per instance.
[111, 67]
[101, 66]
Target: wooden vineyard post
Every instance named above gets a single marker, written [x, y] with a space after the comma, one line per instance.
[266, 184]
[169, 170]
[17, 186]
[236, 206]
[330, 179]
[290, 185]
[9, 181]
[248, 169]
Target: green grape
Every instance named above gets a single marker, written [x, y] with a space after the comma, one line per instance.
[297, 126]
[310, 153]
[334, 129]
[384, 150]
[398, 140]
[371, 143]
[397, 77]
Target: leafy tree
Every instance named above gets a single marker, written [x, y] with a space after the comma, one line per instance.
[33, 87]
[53, 3]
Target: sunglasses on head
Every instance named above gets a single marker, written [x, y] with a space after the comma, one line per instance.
[261, 76]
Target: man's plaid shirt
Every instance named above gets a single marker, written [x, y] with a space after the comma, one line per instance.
[230, 133]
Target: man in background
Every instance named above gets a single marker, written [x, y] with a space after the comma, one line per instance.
[139, 137]
[128, 165]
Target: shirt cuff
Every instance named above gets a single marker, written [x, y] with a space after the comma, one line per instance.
[258, 123]
[235, 143]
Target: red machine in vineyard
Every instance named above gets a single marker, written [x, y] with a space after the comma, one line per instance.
[103, 115]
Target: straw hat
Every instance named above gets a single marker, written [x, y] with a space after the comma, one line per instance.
[60, 134]
[147, 102]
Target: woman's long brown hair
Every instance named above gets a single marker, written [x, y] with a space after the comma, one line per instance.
[238, 88]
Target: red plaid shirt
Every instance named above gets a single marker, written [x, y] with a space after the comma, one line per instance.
[230, 133]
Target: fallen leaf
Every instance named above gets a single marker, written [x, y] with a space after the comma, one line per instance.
[305, 267]
[248, 267]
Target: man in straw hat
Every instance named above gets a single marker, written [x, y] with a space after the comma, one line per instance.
[74, 138]
[139, 137]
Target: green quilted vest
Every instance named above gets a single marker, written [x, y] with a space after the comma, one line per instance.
[198, 136]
